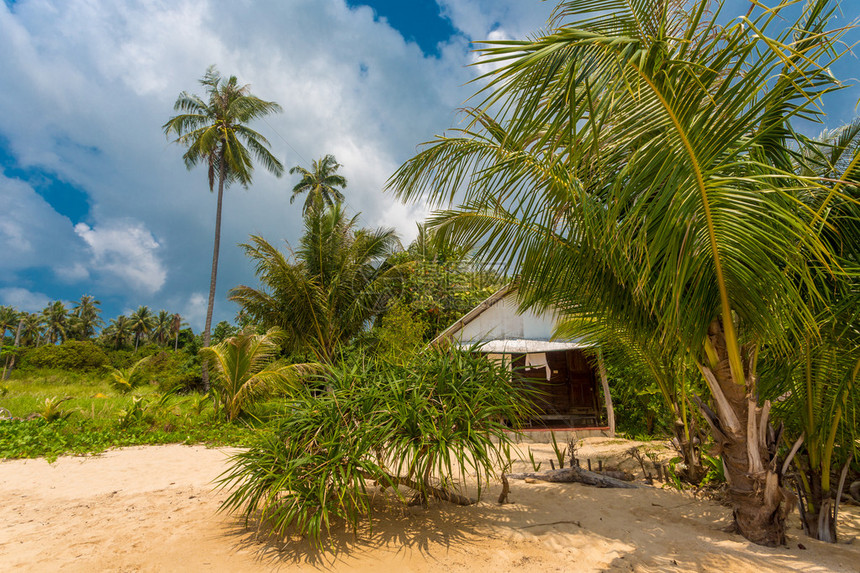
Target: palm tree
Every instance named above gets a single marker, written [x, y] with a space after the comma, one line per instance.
[85, 317]
[334, 284]
[141, 322]
[319, 183]
[820, 373]
[244, 371]
[642, 165]
[118, 332]
[162, 327]
[32, 329]
[8, 320]
[56, 319]
[215, 132]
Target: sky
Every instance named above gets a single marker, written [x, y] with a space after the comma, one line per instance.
[94, 199]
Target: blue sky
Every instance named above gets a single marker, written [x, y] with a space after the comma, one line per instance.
[94, 198]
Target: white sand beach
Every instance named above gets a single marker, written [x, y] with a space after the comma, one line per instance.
[155, 509]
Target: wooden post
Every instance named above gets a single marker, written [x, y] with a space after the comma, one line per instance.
[607, 398]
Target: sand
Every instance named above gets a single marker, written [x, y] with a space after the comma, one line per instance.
[155, 509]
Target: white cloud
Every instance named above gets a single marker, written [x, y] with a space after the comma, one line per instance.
[125, 251]
[87, 85]
[23, 299]
[32, 234]
[194, 310]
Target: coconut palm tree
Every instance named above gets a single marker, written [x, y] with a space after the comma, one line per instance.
[32, 329]
[85, 317]
[820, 373]
[319, 183]
[244, 371]
[56, 318]
[641, 164]
[328, 291]
[215, 132]
[8, 320]
[118, 331]
[162, 327]
[141, 322]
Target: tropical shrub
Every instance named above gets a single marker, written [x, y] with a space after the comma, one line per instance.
[243, 372]
[423, 426]
[125, 380]
[51, 411]
[70, 355]
[401, 334]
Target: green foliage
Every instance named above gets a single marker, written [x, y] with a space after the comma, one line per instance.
[319, 183]
[51, 412]
[535, 464]
[126, 380]
[640, 406]
[401, 334]
[423, 425]
[224, 330]
[37, 438]
[716, 471]
[147, 410]
[327, 292]
[169, 371]
[74, 355]
[560, 453]
[243, 371]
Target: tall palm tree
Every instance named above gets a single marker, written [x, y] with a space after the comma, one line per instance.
[141, 322]
[641, 164]
[328, 291]
[10, 319]
[319, 183]
[56, 318]
[85, 317]
[215, 132]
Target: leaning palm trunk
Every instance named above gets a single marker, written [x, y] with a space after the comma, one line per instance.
[748, 446]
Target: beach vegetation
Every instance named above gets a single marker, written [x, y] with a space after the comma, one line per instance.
[418, 428]
[639, 161]
[245, 370]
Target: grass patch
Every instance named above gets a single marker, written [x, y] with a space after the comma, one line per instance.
[96, 417]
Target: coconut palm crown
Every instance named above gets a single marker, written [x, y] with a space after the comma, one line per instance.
[319, 183]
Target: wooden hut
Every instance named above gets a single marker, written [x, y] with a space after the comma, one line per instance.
[566, 375]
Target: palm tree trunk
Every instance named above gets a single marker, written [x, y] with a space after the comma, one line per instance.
[748, 446]
[10, 363]
[207, 329]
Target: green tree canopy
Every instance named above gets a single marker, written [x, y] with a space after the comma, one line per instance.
[326, 292]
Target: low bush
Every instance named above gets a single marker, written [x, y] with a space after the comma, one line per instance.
[83, 356]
